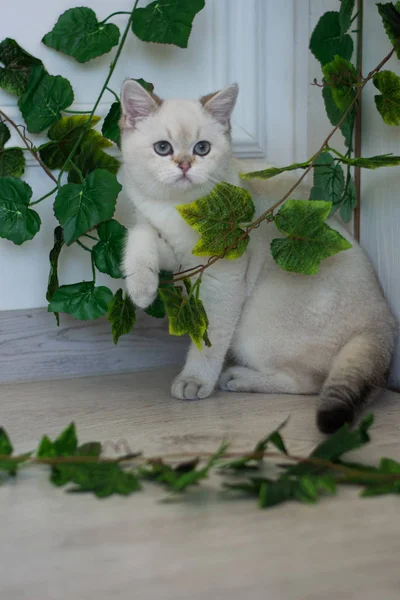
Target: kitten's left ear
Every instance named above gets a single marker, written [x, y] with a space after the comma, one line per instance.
[221, 104]
[136, 102]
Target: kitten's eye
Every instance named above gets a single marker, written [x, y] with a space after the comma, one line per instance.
[202, 148]
[163, 148]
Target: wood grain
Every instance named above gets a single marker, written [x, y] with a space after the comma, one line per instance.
[62, 546]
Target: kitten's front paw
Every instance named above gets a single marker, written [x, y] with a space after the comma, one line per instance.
[191, 388]
[142, 285]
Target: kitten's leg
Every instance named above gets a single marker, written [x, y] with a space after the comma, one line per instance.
[243, 379]
[223, 300]
[141, 265]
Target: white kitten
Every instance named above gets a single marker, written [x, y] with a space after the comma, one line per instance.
[331, 334]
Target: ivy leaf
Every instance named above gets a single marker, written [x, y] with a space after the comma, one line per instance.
[218, 218]
[308, 238]
[335, 115]
[53, 284]
[372, 162]
[17, 67]
[82, 300]
[110, 128]
[12, 161]
[103, 479]
[18, 222]
[345, 14]
[91, 157]
[78, 33]
[6, 449]
[166, 21]
[157, 309]
[327, 40]
[273, 171]
[341, 76]
[344, 440]
[44, 99]
[388, 103]
[328, 178]
[107, 253]
[387, 466]
[391, 21]
[348, 202]
[79, 208]
[185, 312]
[121, 315]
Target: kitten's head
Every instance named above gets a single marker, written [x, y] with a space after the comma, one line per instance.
[176, 144]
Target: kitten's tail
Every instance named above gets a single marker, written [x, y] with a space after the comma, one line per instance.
[360, 366]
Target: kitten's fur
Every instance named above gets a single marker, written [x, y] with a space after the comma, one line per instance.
[331, 334]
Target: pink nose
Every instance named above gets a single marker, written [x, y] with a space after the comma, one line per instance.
[185, 166]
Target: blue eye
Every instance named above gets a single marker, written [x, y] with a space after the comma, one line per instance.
[202, 148]
[163, 148]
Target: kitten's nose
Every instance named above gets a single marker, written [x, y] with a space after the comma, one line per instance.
[184, 166]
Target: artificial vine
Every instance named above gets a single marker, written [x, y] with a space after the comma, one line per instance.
[84, 179]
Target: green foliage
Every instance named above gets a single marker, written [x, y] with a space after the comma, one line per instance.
[328, 180]
[308, 239]
[341, 76]
[372, 162]
[53, 284]
[185, 311]
[335, 115]
[83, 300]
[12, 161]
[78, 33]
[121, 315]
[218, 218]
[107, 253]
[388, 102]
[157, 309]
[348, 202]
[327, 40]
[17, 67]
[18, 222]
[44, 99]
[110, 128]
[345, 14]
[273, 171]
[166, 21]
[390, 14]
[80, 207]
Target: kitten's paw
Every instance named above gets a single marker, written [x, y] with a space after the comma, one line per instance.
[234, 380]
[191, 388]
[142, 285]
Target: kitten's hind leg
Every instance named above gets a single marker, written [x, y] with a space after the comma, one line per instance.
[243, 379]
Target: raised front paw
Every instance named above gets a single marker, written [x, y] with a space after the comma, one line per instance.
[142, 285]
[191, 388]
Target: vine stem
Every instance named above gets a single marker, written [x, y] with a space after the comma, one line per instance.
[358, 124]
[53, 191]
[120, 12]
[103, 89]
[29, 148]
[213, 259]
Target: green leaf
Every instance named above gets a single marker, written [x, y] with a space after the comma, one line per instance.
[372, 162]
[46, 448]
[335, 115]
[273, 171]
[387, 466]
[107, 253]
[67, 442]
[391, 21]
[79, 208]
[185, 312]
[5, 444]
[82, 300]
[308, 488]
[121, 315]
[6, 449]
[308, 239]
[327, 39]
[110, 128]
[46, 96]
[341, 76]
[65, 133]
[17, 67]
[103, 479]
[18, 223]
[157, 309]
[12, 161]
[272, 493]
[53, 284]
[348, 202]
[345, 14]
[166, 21]
[91, 157]
[344, 440]
[388, 103]
[218, 218]
[328, 178]
[78, 33]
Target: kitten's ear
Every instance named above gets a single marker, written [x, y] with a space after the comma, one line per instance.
[136, 102]
[221, 104]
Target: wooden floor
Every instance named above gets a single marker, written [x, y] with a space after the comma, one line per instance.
[58, 546]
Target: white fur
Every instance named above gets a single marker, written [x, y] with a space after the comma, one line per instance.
[284, 330]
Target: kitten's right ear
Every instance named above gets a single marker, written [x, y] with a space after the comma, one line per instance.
[136, 102]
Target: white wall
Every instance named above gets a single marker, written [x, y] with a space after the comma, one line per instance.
[262, 44]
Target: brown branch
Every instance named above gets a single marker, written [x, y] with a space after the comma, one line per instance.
[213, 259]
[29, 146]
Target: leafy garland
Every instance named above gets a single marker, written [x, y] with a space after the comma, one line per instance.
[304, 479]
[86, 188]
